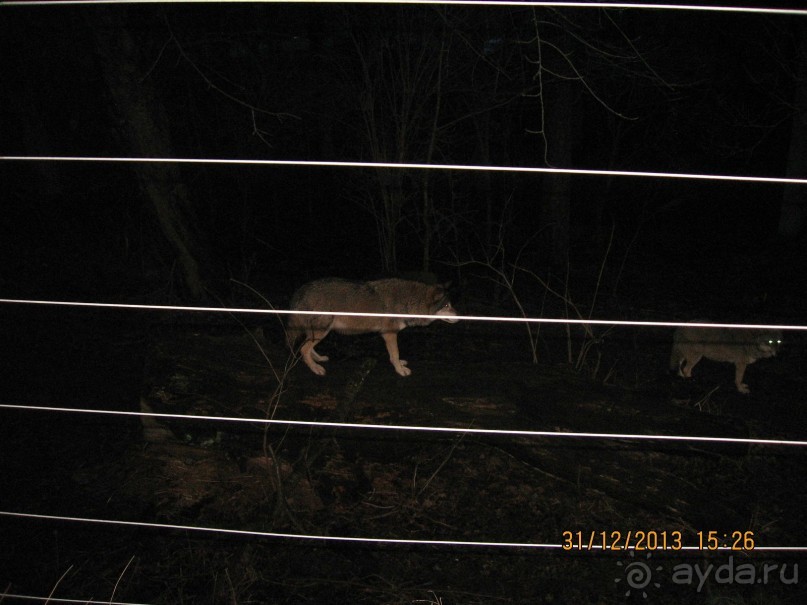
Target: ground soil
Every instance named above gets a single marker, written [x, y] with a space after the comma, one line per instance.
[395, 485]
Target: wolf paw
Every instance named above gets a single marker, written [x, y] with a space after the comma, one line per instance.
[401, 368]
[317, 369]
[743, 388]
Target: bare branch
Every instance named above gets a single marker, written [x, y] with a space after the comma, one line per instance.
[280, 116]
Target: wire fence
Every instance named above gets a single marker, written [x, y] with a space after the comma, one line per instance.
[642, 438]
[410, 166]
[419, 429]
[482, 318]
[479, 3]
[391, 427]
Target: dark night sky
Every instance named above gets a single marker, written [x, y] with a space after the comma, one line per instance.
[657, 91]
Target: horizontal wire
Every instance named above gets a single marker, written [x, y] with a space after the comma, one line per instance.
[407, 427]
[51, 599]
[489, 3]
[404, 427]
[540, 320]
[355, 539]
[415, 166]
[478, 318]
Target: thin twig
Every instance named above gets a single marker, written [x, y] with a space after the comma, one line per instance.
[120, 577]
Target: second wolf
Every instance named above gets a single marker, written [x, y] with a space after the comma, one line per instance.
[741, 347]
[397, 296]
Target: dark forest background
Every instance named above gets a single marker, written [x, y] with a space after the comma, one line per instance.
[645, 90]
[640, 90]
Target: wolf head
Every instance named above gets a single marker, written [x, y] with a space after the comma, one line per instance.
[768, 343]
[441, 305]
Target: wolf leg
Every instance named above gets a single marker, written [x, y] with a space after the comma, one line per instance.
[739, 372]
[685, 369]
[309, 355]
[677, 358]
[391, 340]
[317, 357]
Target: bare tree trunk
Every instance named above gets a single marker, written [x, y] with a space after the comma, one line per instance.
[486, 186]
[556, 192]
[428, 209]
[144, 127]
[556, 95]
[392, 199]
[794, 196]
[398, 86]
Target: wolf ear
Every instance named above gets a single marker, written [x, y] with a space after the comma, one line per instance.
[439, 295]
[445, 285]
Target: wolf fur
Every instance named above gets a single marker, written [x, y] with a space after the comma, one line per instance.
[740, 347]
[381, 296]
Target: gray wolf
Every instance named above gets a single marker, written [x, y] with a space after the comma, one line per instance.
[381, 296]
[741, 347]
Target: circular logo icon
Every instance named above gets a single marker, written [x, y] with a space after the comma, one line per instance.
[638, 576]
